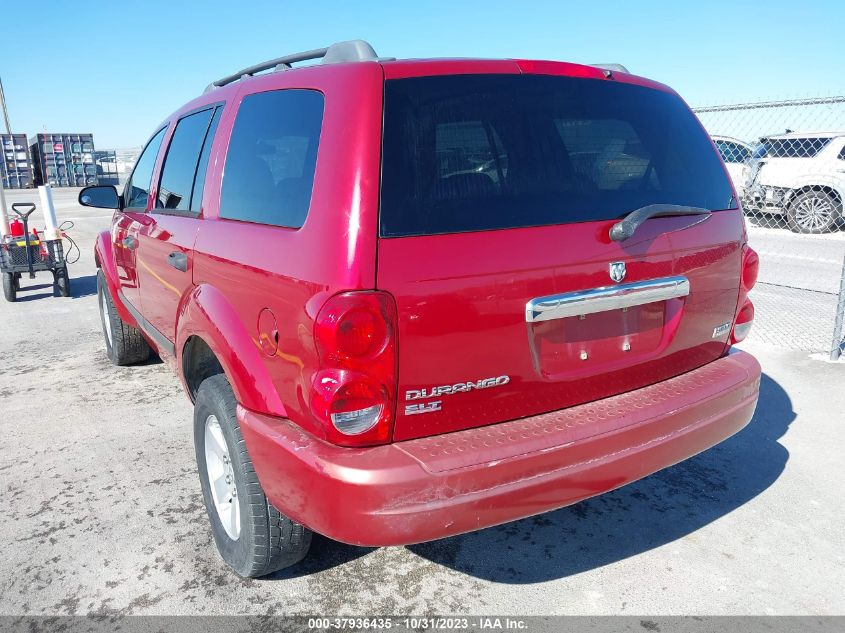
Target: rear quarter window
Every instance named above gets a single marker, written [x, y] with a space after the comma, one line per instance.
[272, 156]
[484, 152]
[179, 174]
[791, 147]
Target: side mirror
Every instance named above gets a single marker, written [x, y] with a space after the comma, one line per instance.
[102, 197]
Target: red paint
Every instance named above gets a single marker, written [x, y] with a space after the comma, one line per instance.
[457, 305]
[420, 490]
[106, 261]
[472, 298]
[162, 286]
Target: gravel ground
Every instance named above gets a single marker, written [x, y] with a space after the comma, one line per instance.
[102, 509]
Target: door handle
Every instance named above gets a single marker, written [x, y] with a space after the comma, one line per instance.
[178, 260]
[129, 242]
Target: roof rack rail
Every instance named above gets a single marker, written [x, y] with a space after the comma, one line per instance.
[349, 51]
[613, 68]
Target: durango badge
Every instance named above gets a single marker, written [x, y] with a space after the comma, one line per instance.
[617, 271]
[448, 390]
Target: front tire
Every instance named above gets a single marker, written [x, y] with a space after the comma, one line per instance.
[124, 344]
[10, 287]
[812, 212]
[252, 536]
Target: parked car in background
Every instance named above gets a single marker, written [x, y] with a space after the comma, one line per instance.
[414, 298]
[800, 175]
[735, 154]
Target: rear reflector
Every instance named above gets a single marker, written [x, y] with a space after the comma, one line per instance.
[743, 323]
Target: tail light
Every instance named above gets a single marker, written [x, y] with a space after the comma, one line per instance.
[745, 314]
[354, 391]
[750, 268]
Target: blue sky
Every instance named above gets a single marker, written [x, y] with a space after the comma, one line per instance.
[117, 68]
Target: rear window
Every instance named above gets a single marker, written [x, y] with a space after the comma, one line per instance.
[482, 152]
[790, 147]
[272, 156]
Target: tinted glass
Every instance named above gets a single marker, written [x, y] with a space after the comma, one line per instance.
[180, 164]
[790, 147]
[138, 186]
[481, 152]
[202, 167]
[271, 158]
[732, 152]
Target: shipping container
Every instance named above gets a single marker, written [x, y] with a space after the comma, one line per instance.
[15, 164]
[107, 170]
[63, 160]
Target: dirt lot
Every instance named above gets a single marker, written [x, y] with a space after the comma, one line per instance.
[102, 510]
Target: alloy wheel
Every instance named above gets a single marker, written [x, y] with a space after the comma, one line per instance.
[221, 478]
[813, 213]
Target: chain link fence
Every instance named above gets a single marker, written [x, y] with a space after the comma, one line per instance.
[787, 161]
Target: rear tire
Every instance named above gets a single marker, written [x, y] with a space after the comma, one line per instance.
[63, 282]
[812, 212]
[125, 345]
[252, 536]
[10, 287]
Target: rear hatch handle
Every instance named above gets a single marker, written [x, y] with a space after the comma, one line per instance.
[626, 227]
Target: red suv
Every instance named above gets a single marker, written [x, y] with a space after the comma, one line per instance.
[415, 298]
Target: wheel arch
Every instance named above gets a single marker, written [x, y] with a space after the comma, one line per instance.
[198, 363]
[104, 260]
[211, 339]
[831, 190]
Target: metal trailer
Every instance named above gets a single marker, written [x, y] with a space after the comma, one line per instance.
[28, 254]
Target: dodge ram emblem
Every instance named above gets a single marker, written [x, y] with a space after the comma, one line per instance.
[617, 271]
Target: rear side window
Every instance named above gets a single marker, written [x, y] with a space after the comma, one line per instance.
[733, 152]
[272, 157]
[791, 147]
[179, 174]
[202, 166]
[483, 152]
[137, 188]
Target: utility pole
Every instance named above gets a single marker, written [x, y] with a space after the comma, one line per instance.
[5, 111]
[4, 219]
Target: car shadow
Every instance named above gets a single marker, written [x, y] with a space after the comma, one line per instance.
[84, 286]
[324, 554]
[654, 511]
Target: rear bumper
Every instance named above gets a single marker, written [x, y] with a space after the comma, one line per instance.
[429, 488]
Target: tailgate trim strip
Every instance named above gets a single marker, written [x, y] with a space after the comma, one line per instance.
[569, 304]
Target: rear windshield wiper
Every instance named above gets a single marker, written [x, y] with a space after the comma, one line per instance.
[625, 228]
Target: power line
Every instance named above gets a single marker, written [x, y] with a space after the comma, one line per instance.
[5, 111]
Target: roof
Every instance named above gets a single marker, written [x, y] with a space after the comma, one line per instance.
[353, 51]
[831, 134]
[722, 137]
